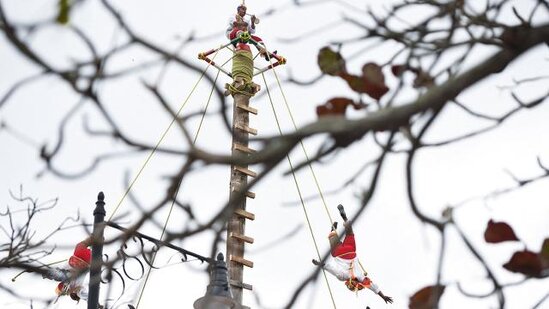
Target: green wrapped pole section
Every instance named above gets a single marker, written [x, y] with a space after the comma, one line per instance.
[243, 66]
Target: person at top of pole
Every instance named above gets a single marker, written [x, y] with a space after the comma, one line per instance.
[240, 22]
[240, 18]
[343, 262]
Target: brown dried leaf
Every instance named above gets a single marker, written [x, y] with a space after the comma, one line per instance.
[399, 69]
[427, 297]
[330, 62]
[368, 84]
[497, 232]
[372, 73]
[337, 107]
[355, 82]
[374, 80]
[525, 262]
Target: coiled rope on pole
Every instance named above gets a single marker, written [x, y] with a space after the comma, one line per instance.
[243, 65]
[242, 74]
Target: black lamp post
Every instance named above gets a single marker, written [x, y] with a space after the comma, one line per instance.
[97, 251]
[218, 295]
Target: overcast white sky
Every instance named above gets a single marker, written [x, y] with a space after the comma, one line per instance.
[399, 252]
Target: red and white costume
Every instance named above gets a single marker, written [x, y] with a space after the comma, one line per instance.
[344, 265]
[235, 19]
[74, 279]
[232, 32]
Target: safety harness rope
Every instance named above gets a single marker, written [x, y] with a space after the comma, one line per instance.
[287, 105]
[179, 185]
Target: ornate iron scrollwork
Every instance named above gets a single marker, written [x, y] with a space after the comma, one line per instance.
[132, 264]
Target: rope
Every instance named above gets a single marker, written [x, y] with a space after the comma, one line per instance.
[243, 65]
[306, 154]
[151, 154]
[242, 73]
[299, 192]
[178, 187]
[302, 145]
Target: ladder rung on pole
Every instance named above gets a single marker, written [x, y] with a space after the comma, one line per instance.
[243, 148]
[246, 171]
[241, 260]
[249, 194]
[246, 129]
[241, 285]
[244, 238]
[245, 214]
[247, 108]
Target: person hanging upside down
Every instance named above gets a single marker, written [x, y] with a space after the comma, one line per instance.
[74, 279]
[343, 262]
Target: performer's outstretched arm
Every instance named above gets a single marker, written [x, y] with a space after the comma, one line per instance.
[375, 288]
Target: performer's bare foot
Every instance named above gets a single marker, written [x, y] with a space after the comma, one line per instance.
[342, 212]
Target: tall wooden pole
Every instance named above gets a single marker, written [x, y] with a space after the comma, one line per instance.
[242, 89]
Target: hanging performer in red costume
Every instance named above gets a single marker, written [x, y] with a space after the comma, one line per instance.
[239, 23]
[343, 262]
[74, 280]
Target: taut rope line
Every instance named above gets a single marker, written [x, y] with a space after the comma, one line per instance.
[299, 192]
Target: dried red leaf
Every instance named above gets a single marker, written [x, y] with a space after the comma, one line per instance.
[337, 107]
[427, 297]
[374, 80]
[497, 232]
[355, 82]
[372, 72]
[525, 262]
[370, 84]
[330, 62]
[399, 69]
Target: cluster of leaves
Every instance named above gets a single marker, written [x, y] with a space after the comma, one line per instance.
[371, 82]
[526, 262]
